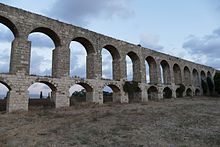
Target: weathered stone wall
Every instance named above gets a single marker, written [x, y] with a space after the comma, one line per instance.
[22, 23]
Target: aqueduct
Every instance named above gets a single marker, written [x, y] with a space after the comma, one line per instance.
[166, 72]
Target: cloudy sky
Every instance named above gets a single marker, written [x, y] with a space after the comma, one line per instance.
[187, 29]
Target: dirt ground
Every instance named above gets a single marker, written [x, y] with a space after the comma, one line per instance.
[180, 122]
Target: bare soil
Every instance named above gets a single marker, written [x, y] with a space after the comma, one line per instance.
[180, 122]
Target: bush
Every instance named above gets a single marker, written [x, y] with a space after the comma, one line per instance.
[182, 88]
[217, 82]
[204, 87]
[210, 84]
[130, 87]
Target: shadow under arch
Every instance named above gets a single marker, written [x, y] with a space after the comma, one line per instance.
[177, 74]
[189, 92]
[167, 93]
[152, 93]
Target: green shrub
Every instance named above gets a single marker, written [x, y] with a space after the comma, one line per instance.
[204, 87]
[130, 87]
[217, 82]
[210, 84]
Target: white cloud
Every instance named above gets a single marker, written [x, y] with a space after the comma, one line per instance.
[151, 42]
[80, 12]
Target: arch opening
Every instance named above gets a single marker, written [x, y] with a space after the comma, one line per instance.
[41, 59]
[10, 25]
[177, 74]
[111, 93]
[197, 92]
[187, 76]
[6, 39]
[135, 64]
[110, 63]
[4, 95]
[189, 92]
[152, 93]
[78, 56]
[129, 67]
[167, 93]
[179, 93]
[195, 78]
[50, 33]
[152, 69]
[165, 72]
[41, 94]
[80, 93]
[82, 58]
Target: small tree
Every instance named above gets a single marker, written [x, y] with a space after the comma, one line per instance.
[130, 87]
[217, 82]
[210, 85]
[204, 86]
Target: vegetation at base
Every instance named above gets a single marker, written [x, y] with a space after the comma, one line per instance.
[217, 82]
[131, 87]
[204, 87]
[182, 88]
[210, 85]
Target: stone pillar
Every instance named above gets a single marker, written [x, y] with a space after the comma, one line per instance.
[123, 67]
[158, 73]
[93, 66]
[160, 93]
[20, 56]
[144, 96]
[61, 99]
[17, 100]
[61, 62]
[124, 97]
[116, 69]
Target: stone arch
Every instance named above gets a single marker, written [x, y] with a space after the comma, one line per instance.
[167, 93]
[203, 76]
[152, 69]
[116, 93]
[87, 93]
[179, 93]
[197, 92]
[195, 78]
[115, 61]
[209, 74]
[189, 92]
[3, 102]
[152, 93]
[177, 74]
[187, 76]
[40, 101]
[136, 66]
[165, 72]
[90, 58]
[50, 33]
[86, 43]
[7, 22]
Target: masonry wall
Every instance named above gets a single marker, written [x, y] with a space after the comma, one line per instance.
[23, 23]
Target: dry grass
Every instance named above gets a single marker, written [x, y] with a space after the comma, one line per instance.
[180, 122]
